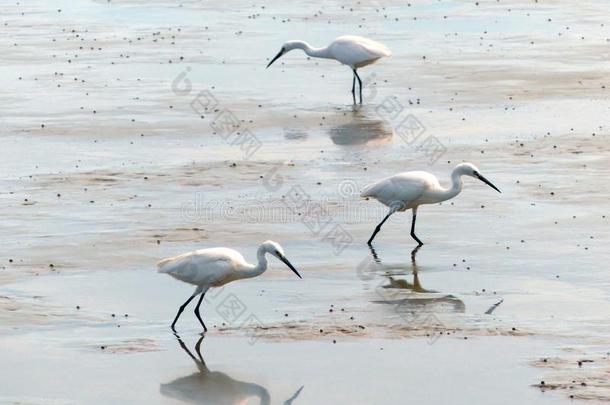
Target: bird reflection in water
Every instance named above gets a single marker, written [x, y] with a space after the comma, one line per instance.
[360, 130]
[423, 299]
[213, 387]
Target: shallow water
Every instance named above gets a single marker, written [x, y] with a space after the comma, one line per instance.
[238, 372]
[131, 167]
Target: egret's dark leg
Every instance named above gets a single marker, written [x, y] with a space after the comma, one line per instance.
[413, 228]
[180, 311]
[198, 314]
[360, 83]
[197, 291]
[354, 88]
[378, 228]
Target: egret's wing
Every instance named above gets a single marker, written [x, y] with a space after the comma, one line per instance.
[351, 49]
[399, 189]
[206, 266]
[168, 264]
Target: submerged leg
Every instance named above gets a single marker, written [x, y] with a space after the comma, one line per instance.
[354, 88]
[374, 254]
[413, 228]
[197, 291]
[198, 314]
[413, 253]
[378, 227]
[360, 83]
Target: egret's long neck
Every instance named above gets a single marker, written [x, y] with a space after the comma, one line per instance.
[455, 189]
[314, 52]
[261, 266]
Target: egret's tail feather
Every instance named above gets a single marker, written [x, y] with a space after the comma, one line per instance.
[169, 264]
[368, 191]
[386, 51]
[163, 266]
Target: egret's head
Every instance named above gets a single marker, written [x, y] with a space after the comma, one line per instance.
[468, 169]
[287, 47]
[274, 248]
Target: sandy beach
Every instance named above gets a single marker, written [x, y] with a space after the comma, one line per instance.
[131, 131]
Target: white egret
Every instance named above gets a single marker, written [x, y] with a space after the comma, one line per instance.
[350, 50]
[409, 190]
[216, 267]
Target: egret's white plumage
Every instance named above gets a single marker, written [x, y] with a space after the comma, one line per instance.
[350, 50]
[356, 52]
[409, 190]
[215, 267]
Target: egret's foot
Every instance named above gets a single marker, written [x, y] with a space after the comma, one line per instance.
[419, 242]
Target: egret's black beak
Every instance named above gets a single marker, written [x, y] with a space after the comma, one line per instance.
[287, 263]
[484, 180]
[280, 53]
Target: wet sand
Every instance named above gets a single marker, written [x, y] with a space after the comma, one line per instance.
[113, 157]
